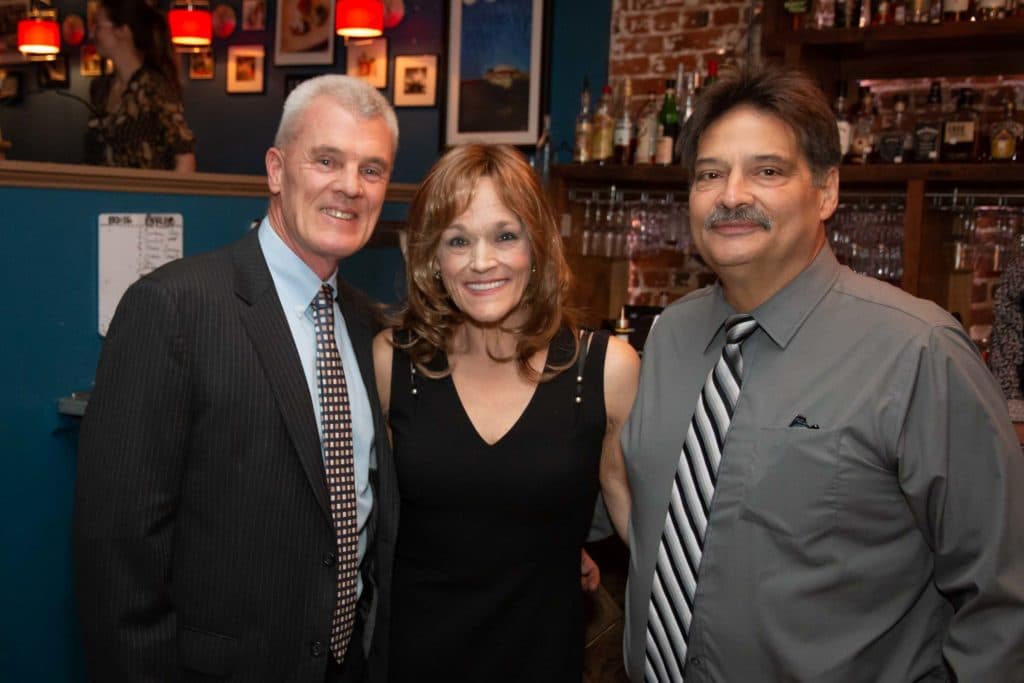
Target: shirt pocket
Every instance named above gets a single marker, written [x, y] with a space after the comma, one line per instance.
[793, 481]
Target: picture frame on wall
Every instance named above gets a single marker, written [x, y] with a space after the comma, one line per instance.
[245, 69]
[90, 64]
[54, 73]
[254, 15]
[304, 33]
[416, 81]
[367, 58]
[494, 71]
[11, 12]
[201, 64]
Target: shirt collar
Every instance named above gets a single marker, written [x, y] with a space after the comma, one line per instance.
[296, 282]
[783, 314]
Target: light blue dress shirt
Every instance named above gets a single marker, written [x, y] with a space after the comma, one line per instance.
[297, 285]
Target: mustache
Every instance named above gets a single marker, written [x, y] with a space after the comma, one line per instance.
[740, 214]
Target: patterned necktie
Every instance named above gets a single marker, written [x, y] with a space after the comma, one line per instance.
[682, 541]
[339, 466]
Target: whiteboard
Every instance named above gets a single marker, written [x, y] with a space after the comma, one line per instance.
[132, 245]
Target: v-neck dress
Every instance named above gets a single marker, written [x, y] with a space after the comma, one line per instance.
[486, 583]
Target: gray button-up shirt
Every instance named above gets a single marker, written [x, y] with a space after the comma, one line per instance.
[884, 541]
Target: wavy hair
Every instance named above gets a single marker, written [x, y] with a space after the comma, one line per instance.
[430, 317]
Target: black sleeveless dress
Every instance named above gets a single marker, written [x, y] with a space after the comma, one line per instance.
[486, 582]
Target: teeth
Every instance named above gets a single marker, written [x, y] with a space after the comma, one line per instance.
[343, 215]
[484, 286]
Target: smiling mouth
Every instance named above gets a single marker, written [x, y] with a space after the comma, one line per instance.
[339, 214]
[484, 286]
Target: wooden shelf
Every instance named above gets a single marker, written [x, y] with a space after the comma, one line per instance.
[951, 34]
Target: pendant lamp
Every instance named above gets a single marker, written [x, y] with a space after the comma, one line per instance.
[39, 32]
[191, 23]
[359, 18]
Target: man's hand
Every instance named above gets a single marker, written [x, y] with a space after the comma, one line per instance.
[590, 573]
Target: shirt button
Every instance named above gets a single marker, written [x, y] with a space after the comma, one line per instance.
[316, 648]
[328, 559]
[696, 661]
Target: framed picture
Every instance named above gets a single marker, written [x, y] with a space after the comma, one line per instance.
[10, 86]
[304, 32]
[245, 69]
[90, 64]
[54, 73]
[11, 11]
[254, 15]
[416, 81]
[494, 71]
[367, 58]
[200, 64]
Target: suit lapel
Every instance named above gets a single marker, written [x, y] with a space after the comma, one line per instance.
[268, 329]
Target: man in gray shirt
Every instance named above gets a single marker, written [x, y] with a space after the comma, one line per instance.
[847, 501]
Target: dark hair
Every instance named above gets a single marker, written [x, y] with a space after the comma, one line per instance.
[430, 315]
[150, 34]
[787, 94]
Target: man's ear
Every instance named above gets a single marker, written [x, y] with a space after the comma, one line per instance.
[828, 193]
[274, 161]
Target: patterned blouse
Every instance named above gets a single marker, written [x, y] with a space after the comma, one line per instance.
[1006, 352]
[148, 129]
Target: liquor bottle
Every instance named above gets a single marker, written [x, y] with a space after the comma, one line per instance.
[622, 137]
[935, 12]
[883, 13]
[865, 14]
[1006, 136]
[865, 128]
[584, 127]
[960, 136]
[928, 130]
[843, 121]
[542, 156]
[668, 126]
[842, 13]
[899, 12]
[896, 139]
[603, 133]
[991, 9]
[712, 73]
[688, 95]
[647, 131]
[824, 14]
[917, 11]
[798, 12]
[956, 10]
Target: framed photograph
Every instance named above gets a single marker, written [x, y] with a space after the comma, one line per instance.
[367, 58]
[54, 73]
[10, 86]
[304, 32]
[90, 64]
[416, 81]
[494, 71]
[245, 69]
[200, 64]
[11, 11]
[254, 15]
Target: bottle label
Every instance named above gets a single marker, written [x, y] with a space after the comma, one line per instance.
[844, 136]
[663, 152]
[582, 152]
[623, 134]
[959, 131]
[890, 148]
[1004, 143]
[926, 143]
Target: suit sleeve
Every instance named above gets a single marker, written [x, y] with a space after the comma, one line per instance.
[962, 471]
[131, 450]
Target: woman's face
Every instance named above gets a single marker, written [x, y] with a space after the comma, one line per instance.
[108, 36]
[484, 258]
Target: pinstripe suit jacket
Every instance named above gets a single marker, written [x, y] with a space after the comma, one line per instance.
[202, 535]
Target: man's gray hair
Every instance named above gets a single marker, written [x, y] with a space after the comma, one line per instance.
[354, 95]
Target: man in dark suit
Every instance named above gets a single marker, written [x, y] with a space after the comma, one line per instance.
[210, 536]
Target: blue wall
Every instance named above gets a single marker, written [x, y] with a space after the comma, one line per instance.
[50, 345]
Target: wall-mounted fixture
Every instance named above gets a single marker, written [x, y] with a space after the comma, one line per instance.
[39, 32]
[359, 18]
[191, 23]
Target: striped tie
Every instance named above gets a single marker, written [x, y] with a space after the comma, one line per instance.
[682, 541]
[339, 467]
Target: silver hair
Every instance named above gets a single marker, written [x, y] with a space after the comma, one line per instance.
[356, 96]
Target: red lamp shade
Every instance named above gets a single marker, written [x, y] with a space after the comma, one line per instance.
[39, 35]
[191, 24]
[359, 18]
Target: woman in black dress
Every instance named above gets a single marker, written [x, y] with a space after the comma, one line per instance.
[502, 415]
